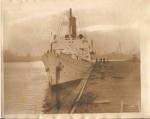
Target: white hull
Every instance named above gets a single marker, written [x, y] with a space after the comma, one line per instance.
[72, 69]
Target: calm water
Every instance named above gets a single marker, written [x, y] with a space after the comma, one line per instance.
[25, 86]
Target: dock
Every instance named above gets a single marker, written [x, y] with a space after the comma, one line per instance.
[109, 87]
[112, 87]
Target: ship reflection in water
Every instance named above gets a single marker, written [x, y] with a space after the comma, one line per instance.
[24, 87]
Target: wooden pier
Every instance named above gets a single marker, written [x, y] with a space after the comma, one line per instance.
[112, 87]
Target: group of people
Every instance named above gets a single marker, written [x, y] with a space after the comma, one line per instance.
[102, 60]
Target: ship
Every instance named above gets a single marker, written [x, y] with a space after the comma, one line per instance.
[69, 56]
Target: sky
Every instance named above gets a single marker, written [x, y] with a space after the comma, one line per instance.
[28, 23]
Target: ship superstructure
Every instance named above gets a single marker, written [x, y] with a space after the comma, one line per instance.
[78, 47]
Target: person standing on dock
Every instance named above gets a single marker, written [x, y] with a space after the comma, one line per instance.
[103, 60]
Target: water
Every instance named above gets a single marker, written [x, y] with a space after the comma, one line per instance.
[25, 87]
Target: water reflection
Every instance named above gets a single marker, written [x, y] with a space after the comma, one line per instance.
[24, 87]
[58, 97]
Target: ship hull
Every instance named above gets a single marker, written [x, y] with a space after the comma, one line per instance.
[72, 69]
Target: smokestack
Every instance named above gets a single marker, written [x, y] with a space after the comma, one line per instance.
[72, 25]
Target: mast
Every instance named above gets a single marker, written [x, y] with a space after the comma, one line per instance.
[72, 24]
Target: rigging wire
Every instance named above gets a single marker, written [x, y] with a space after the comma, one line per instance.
[79, 21]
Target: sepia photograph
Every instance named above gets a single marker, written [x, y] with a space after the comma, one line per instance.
[72, 56]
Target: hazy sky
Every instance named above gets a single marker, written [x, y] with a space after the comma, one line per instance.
[28, 23]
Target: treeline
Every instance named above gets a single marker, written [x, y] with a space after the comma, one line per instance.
[9, 56]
